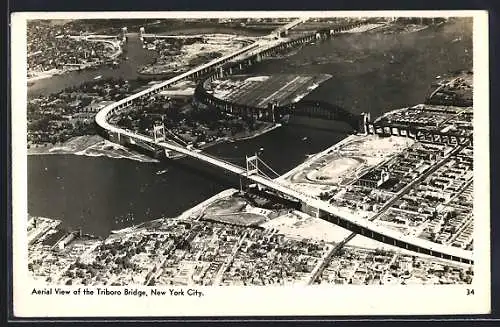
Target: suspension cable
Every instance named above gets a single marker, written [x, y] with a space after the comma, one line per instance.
[267, 166]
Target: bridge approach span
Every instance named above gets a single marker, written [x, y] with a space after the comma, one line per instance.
[325, 211]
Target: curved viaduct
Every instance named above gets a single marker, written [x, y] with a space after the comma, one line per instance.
[217, 68]
[322, 209]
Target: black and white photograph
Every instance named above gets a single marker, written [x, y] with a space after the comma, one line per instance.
[292, 156]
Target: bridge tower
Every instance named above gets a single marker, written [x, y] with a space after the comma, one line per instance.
[364, 119]
[159, 133]
[252, 165]
[271, 109]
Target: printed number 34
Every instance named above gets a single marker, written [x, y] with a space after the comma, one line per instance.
[470, 291]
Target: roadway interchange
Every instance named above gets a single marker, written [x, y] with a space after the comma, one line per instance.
[321, 208]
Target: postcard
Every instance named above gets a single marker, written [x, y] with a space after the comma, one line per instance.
[250, 163]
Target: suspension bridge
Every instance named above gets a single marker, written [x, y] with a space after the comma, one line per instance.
[254, 172]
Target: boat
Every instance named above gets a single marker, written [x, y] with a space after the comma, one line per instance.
[98, 77]
[304, 138]
[160, 172]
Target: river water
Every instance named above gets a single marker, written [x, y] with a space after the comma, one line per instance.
[137, 57]
[371, 72]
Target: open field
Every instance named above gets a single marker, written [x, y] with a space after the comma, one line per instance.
[225, 206]
[342, 163]
[175, 59]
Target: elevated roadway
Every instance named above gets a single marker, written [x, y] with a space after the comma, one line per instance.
[322, 209]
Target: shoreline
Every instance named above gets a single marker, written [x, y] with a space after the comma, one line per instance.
[185, 215]
[230, 140]
[89, 149]
[60, 72]
[55, 72]
[259, 133]
[60, 148]
[230, 191]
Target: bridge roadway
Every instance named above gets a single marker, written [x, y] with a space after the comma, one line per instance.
[326, 211]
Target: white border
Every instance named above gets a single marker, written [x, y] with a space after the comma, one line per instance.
[266, 301]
